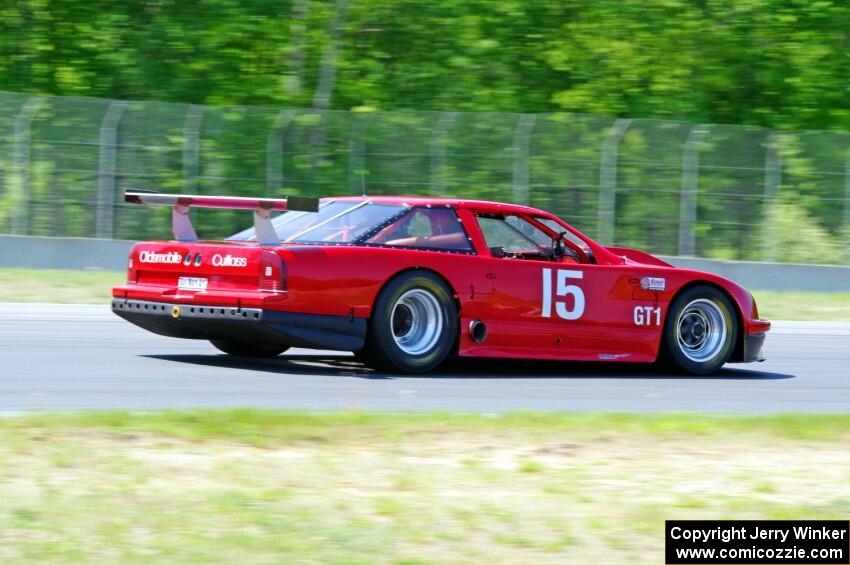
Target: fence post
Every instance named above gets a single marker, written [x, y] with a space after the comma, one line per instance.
[20, 189]
[191, 133]
[608, 180]
[522, 139]
[772, 181]
[274, 152]
[847, 209]
[104, 224]
[688, 196]
[438, 153]
[357, 154]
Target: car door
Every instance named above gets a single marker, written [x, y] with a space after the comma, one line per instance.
[557, 309]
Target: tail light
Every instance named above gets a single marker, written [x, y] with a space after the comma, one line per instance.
[132, 273]
[272, 273]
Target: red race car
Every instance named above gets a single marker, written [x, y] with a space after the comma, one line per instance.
[405, 282]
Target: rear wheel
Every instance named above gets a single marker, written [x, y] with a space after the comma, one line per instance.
[248, 349]
[413, 326]
[700, 331]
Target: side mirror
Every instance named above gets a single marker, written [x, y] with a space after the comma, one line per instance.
[497, 252]
[559, 250]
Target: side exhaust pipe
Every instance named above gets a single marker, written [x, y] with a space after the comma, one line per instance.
[477, 331]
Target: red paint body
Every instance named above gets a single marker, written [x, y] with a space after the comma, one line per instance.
[505, 293]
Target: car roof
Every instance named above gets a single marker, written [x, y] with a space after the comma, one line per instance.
[478, 205]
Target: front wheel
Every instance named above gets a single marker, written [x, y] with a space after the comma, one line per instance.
[248, 349]
[413, 327]
[700, 331]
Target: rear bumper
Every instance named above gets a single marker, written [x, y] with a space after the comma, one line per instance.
[198, 321]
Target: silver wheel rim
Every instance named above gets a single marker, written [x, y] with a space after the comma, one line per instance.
[416, 321]
[701, 330]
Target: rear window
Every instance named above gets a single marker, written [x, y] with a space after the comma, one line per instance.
[349, 225]
[425, 228]
[290, 223]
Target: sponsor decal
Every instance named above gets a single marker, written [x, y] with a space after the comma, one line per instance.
[653, 283]
[229, 261]
[171, 257]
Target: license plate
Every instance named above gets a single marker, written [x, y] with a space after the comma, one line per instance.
[191, 283]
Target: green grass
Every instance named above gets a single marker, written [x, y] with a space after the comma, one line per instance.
[65, 286]
[262, 428]
[93, 287]
[270, 487]
[821, 306]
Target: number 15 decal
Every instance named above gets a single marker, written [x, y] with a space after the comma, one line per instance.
[562, 289]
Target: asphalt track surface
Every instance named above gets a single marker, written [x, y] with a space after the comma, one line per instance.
[84, 357]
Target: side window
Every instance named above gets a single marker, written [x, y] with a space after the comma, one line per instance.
[557, 228]
[425, 228]
[420, 223]
[499, 233]
[536, 235]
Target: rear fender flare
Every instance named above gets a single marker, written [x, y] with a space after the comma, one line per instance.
[428, 270]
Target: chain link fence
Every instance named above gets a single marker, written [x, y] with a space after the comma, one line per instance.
[673, 188]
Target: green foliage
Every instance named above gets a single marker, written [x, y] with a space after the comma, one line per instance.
[797, 237]
[775, 63]
[403, 67]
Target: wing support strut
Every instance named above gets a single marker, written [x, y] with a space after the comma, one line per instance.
[181, 223]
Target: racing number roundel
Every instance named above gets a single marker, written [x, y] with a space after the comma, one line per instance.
[562, 290]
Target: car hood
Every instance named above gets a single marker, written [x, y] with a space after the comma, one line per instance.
[636, 256]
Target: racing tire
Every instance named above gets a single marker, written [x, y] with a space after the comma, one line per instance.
[414, 325]
[248, 349]
[700, 331]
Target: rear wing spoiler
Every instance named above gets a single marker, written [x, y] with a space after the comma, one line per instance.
[181, 224]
